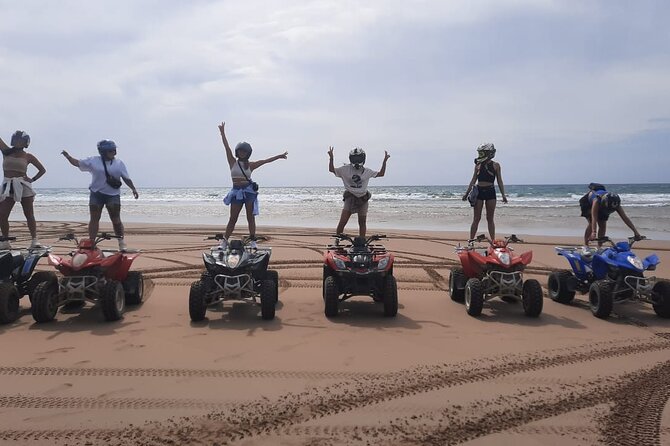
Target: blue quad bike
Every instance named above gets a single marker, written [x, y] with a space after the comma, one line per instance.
[18, 278]
[609, 275]
[237, 273]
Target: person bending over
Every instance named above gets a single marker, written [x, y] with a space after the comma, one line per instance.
[596, 207]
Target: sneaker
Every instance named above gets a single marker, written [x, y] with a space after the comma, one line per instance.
[253, 244]
[4, 244]
[224, 244]
[122, 245]
[35, 243]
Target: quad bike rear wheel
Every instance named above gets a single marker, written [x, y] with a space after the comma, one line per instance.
[531, 297]
[197, 306]
[557, 286]
[390, 296]
[662, 301]
[133, 286]
[457, 284]
[45, 302]
[600, 298]
[268, 299]
[112, 300]
[474, 297]
[331, 297]
[9, 303]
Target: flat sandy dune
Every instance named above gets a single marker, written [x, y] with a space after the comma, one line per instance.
[432, 375]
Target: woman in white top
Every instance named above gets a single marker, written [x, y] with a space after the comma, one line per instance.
[107, 171]
[17, 185]
[244, 192]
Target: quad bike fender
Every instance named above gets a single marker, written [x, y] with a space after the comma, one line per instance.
[55, 260]
[471, 262]
[600, 266]
[526, 257]
[28, 267]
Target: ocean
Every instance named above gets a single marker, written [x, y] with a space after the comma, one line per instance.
[532, 209]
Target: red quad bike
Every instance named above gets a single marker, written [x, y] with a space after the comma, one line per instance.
[494, 271]
[93, 275]
[358, 268]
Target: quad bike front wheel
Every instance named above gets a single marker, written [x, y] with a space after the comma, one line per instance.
[531, 297]
[390, 296]
[112, 300]
[662, 299]
[37, 278]
[331, 297]
[557, 286]
[45, 302]
[268, 299]
[456, 284]
[274, 276]
[133, 286]
[9, 303]
[474, 297]
[600, 298]
[197, 306]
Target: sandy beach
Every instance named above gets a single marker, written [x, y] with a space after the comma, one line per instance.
[432, 375]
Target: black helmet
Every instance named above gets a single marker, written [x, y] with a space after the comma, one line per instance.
[106, 145]
[243, 147]
[357, 156]
[610, 201]
[20, 136]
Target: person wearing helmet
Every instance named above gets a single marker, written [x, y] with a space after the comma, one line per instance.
[106, 171]
[483, 194]
[244, 192]
[596, 206]
[17, 185]
[356, 195]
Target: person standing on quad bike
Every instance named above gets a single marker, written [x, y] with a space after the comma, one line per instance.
[105, 187]
[245, 191]
[483, 194]
[596, 206]
[17, 185]
[356, 195]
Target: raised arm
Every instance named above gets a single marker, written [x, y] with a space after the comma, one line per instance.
[382, 171]
[32, 159]
[73, 161]
[331, 165]
[472, 183]
[229, 152]
[628, 222]
[256, 164]
[3, 146]
[500, 182]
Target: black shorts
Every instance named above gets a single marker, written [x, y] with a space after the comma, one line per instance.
[486, 193]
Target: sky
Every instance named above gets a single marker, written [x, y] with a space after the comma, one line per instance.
[568, 91]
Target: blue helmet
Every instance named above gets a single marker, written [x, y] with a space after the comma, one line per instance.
[20, 136]
[243, 147]
[106, 145]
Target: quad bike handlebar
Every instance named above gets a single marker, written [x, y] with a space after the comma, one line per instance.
[7, 239]
[509, 239]
[100, 237]
[631, 240]
[368, 240]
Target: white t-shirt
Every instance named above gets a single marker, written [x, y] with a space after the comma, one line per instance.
[115, 168]
[355, 180]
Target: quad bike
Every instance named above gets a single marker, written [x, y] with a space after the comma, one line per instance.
[358, 268]
[237, 273]
[494, 271]
[18, 278]
[93, 275]
[613, 274]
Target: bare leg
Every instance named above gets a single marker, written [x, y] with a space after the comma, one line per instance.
[28, 211]
[476, 218]
[344, 219]
[251, 218]
[587, 233]
[94, 223]
[235, 209]
[6, 206]
[490, 211]
[114, 211]
[362, 224]
[602, 229]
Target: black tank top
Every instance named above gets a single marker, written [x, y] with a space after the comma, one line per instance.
[486, 172]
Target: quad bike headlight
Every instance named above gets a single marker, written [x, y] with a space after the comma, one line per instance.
[339, 263]
[232, 260]
[79, 259]
[383, 263]
[504, 257]
[636, 262]
[361, 259]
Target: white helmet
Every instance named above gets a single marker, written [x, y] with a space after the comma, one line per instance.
[485, 152]
[357, 156]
